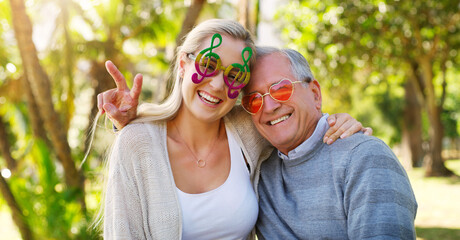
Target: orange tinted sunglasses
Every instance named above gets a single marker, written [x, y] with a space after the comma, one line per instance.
[281, 92]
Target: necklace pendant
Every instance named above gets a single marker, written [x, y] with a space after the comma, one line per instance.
[201, 163]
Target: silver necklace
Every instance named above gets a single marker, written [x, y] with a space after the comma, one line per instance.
[200, 162]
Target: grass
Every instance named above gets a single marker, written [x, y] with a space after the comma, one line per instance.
[437, 233]
[438, 215]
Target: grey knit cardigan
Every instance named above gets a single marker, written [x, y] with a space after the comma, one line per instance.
[141, 200]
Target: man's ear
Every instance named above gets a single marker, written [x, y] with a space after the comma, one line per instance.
[316, 89]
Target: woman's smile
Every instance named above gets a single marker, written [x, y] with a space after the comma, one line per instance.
[208, 98]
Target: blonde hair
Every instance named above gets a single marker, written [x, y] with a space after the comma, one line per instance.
[192, 42]
[168, 109]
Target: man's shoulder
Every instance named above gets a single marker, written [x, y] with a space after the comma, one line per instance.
[362, 145]
[361, 152]
[358, 140]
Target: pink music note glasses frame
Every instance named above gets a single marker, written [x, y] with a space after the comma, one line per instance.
[208, 64]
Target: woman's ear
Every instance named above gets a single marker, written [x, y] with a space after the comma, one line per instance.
[182, 62]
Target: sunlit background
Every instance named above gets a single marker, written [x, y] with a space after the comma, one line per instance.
[393, 65]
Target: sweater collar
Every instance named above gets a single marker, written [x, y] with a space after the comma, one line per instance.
[305, 151]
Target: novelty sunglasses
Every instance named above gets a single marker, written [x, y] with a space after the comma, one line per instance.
[281, 92]
[208, 64]
[213, 66]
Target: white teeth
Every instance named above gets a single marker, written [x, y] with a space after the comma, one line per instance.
[209, 98]
[280, 119]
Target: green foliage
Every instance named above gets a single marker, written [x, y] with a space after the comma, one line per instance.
[362, 51]
[47, 204]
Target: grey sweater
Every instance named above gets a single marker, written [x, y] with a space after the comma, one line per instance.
[353, 189]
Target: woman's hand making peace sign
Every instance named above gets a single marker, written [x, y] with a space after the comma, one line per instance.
[120, 103]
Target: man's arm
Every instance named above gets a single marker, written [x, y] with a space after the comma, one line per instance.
[378, 197]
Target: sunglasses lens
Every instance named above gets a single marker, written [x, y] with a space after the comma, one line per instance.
[282, 91]
[252, 103]
[234, 73]
[208, 65]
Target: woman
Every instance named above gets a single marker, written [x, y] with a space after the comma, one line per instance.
[183, 169]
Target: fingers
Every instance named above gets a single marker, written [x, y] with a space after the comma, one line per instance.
[355, 127]
[120, 104]
[100, 103]
[119, 119]
[331, 120]
[329, 137]
[108, 96]
[335, 132]
[341, 125]
[367, 131]
[115, 115]
[125, 108]
[137, 86]
[120, 81]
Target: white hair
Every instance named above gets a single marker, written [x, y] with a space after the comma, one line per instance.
[299, 65]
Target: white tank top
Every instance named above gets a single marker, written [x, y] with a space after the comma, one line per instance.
[227, 212]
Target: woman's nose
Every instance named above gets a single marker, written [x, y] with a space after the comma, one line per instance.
[217, 81]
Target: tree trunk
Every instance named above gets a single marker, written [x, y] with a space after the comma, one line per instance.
[5, 147]
[434, 163]
[189, 22]
[16, 212]
[35, 120]
[412, 128]
[41, 90]
[68, 65]
[243, 13]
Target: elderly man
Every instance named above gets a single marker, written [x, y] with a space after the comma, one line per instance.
[353, 189]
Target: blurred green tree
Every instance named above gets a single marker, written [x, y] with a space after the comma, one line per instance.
[376, 47]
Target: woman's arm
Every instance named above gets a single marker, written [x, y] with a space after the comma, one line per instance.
[123, 218]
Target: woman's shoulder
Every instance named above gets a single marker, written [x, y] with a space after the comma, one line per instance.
[136, 143]
[138, 132]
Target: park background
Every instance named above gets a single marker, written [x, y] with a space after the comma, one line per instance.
[393, 65]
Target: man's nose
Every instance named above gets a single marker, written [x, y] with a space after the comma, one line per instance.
[270, 105]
